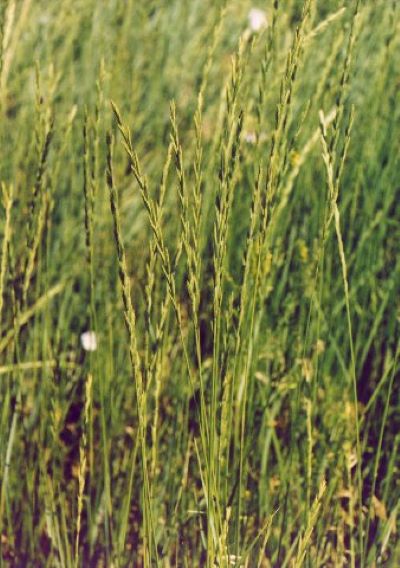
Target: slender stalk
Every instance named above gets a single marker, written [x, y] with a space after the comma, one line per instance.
[130, 321]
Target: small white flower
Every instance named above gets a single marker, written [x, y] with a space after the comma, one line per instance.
[250, 137]
[44, 19]
[89, 341]
[257, 19]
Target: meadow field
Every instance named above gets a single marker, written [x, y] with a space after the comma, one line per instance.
[199, 283]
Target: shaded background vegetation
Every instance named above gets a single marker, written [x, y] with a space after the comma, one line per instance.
[61, 60]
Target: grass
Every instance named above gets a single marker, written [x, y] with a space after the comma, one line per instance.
[218, 205]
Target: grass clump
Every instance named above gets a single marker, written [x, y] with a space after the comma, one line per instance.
[199, 283]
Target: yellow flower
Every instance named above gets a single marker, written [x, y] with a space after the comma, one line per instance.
[303, 250]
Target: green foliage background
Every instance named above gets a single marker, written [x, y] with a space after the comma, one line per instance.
[248, 399]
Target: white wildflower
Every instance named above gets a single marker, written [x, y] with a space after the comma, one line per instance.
[44, 19]
[89, 341]
[250, 137]
[257, 20]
